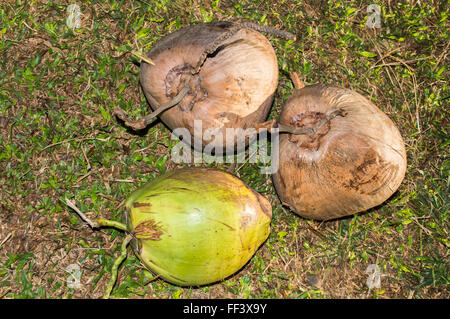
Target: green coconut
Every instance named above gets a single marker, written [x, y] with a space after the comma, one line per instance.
[195, 226]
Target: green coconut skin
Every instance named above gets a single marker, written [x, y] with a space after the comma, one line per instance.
[197, 226]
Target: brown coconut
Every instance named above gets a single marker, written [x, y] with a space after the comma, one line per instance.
[230, 73]
[348, 158]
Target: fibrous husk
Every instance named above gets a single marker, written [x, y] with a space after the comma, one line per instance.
[351, 160]
[232, 88]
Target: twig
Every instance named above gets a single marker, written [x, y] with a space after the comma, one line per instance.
[88, 167]
[6, 239]
[248, 158]
[109, 197]
[74, 139]
[152, 279]
[120, 204]
[399, 63]
[143, 122]
[385, 56]
[142, 57]
[4, 294]
[29, 26]
[428, 232]
[83, 177]
[100, 222]
[444, 53]
[83, 216]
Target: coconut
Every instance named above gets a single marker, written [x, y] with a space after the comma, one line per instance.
[345, 156]
[221, 74]
[197, 226]
[192, 226]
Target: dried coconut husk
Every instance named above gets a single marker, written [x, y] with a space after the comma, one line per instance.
[346, 157]
[222, 73]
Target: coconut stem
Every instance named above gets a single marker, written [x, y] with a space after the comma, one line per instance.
[310, 131]
[272, 125]
[115, 268]
[233, 30]
[100, 222]
[269, 30]
[143, 122]
[298, 83]
[142, 57]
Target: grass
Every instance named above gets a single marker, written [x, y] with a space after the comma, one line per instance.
[58, 87]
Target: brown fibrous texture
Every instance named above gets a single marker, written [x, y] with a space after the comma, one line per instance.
[354, 162]
[234, 87]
